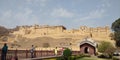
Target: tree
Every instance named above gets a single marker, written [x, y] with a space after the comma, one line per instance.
[116, 28]
[67, 53]
[110, 50]
[104, 46]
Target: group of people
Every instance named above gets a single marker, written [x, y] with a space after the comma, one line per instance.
[5, 49]
[32, 51]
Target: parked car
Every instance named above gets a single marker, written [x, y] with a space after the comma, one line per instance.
[116, 53]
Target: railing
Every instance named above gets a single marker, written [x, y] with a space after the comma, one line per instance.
[38, 53]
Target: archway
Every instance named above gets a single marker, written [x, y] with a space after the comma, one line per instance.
[88, 46]
[86, 50]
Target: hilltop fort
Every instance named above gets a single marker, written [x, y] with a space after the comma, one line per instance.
[57, 35]
[98, 33]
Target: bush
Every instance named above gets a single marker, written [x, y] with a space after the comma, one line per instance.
[81, 56]
[105, 47]
[67, 53]
[104, 56]
[78, 56]
[101, 56]
[110, 51]
[60, 58]
[72, 58]
[86, 55]
[69, 58]
[115, 58]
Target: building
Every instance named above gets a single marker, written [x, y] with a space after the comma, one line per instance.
[57, 36]
[88, 46]
[97, 33]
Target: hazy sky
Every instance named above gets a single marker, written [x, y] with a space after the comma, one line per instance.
[69, 13]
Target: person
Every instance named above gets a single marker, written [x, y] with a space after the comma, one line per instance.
[4, 52]
[32, 51]
[56, 51]
[62, 50]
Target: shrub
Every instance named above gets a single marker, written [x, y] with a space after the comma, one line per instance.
[101, 56]
[81, 56]
[67, 53]
[104, 56]
[60, 58]
[105, 46]
[110, 51]
[71, 58]
[115, 58]
[78, 56]
[86, 55]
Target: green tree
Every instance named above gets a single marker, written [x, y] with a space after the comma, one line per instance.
[67, 53]
[104, 46]
[110, 50]
[116, 28]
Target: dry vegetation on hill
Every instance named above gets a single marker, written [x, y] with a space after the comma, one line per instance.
[43, 42]
[3, 31]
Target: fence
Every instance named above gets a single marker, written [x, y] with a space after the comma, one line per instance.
[38, 53]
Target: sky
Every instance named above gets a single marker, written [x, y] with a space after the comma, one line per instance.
[70, 13]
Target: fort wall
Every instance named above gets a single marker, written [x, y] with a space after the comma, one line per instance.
[100, 33]
[58, 36]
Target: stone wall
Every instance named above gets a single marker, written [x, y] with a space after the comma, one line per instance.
[62, 32]
[57, 35]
